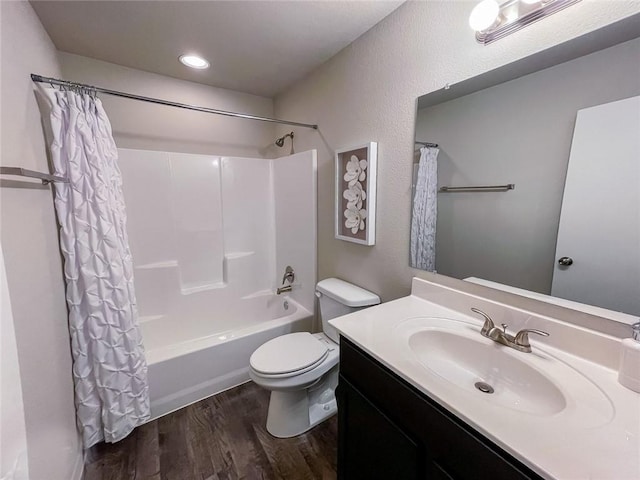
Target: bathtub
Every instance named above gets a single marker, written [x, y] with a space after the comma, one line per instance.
[188, 361]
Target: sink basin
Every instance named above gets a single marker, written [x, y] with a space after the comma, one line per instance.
[487, 370]
[458, 363]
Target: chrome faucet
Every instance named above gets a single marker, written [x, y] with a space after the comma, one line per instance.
[518, 342]
[287, 281]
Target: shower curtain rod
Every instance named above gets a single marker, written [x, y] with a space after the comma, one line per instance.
[64, 83]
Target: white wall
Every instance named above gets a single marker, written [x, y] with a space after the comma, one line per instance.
[294, 179]
[368, 92]
[13, 432]
[201, 230]
[149, 126]
[249, 227]
[207, 232]
[174, 217]
[32, 256]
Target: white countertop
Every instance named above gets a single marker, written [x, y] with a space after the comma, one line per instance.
[595, 437]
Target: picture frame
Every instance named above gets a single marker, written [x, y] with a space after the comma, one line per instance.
[355, 193]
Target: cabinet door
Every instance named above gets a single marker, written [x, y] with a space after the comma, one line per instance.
[370, 445]
[437, 445]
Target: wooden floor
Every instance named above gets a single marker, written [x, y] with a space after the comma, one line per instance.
[222, 437]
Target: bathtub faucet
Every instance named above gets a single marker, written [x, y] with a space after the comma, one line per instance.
[287, 281]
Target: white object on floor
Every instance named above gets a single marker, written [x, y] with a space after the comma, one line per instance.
[301, 369]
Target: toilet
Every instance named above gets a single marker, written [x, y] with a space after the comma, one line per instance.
[301, 369]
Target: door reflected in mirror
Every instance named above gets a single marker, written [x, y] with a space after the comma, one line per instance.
[523, 132]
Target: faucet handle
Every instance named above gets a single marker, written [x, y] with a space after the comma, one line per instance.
[488, 323]
[288, 275]
[522, 337]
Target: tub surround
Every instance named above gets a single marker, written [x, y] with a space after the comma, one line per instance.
[210, 237]
[593, 433]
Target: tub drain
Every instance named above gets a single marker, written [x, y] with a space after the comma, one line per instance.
[484, 387]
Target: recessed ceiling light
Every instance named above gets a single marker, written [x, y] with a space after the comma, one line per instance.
[194, 61]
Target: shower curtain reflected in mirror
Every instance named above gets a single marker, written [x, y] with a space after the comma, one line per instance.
[425, 211]
[109, 366]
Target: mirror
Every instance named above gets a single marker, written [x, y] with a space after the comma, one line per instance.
[516, 126]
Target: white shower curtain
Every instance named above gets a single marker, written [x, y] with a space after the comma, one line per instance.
[425, 212]
[109, 366]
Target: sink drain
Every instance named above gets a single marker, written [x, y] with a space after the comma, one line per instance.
[484, 387]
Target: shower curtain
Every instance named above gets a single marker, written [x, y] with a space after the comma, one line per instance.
[425, 212]
[109, 366]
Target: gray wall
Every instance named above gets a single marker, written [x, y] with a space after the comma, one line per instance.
[517, 132]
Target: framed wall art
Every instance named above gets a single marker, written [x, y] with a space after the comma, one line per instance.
[355, 212]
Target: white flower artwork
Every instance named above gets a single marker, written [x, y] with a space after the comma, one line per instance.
[355, 171]
[355, 193]
[355, 219]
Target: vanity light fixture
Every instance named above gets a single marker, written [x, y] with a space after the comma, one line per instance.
[484, 15]
[492, 21]
[194, 61]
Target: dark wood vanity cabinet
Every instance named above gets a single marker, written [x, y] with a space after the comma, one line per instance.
[389, 430]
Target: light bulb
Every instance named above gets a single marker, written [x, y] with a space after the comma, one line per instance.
[484, 15]
[194, 61]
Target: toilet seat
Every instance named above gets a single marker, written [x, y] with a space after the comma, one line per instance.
[289, 355]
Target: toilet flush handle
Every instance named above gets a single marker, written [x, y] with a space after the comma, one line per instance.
[318, 294]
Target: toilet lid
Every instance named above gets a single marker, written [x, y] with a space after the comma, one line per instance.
[288, 354]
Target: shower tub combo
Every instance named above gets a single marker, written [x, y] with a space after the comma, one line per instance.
[210, 238]
[191, 364]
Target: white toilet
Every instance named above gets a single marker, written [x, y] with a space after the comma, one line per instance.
[301, 369]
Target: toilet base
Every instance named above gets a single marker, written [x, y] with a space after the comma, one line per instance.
[292, 413]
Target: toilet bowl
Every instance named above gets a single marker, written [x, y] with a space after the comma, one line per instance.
[301, 369]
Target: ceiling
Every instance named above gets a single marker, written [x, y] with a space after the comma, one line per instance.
[259, 47]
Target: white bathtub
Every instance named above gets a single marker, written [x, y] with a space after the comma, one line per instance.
[189, 362]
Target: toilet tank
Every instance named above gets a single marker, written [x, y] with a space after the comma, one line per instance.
[337, 298]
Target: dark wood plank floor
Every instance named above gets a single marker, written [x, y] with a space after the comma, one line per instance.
[220, 438]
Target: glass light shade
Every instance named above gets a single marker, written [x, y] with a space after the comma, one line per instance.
[194, 61]
[512, 15]
[484, 15]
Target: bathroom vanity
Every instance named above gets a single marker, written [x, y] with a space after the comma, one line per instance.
[422, 394]
[388, 429]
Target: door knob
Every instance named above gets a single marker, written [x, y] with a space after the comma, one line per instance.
[565, 261]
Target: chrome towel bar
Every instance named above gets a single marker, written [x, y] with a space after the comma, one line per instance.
[481, 188]
[46, 178]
